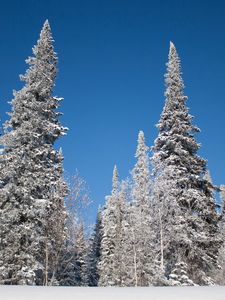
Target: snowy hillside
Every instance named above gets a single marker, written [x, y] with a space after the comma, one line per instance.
[79, 293]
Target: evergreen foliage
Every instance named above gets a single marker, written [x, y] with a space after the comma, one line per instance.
[32, 213]
[110, 273]
[175, 155]
[143, 235]
[161, 226]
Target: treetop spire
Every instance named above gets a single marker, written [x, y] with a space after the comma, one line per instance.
[46, 34]
[115, 180]
[172, 46]
[46, 23]
[45, 27]
[141, 147]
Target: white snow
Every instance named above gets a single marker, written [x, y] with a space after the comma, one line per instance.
[111, 293]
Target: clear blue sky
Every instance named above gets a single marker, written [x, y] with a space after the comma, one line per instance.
[112, 56]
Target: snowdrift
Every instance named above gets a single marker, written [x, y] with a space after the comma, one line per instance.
[111, 293]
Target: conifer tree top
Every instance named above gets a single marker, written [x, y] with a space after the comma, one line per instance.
[176, 140]
[46, 24]
[173, 79]
[45, 39]
[46, 32]
[45, 29]
[115, 180]
[175, 111]
[43, 64]
[172, 46]
[141, 147]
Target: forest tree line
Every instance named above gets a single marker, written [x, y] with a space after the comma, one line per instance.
[160, 226]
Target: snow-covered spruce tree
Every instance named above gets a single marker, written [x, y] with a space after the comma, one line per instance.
[141, 174]
[110, 273]
[125, 250]
[145, 268]
[175, 154]
[94, 253]
[32, 213]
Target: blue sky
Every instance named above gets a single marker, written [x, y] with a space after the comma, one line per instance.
[112, 57]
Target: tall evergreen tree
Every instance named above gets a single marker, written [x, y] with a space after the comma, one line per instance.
[124, 251]
[141, 174]
[175, 154]
[110, 273]
[143, 235]
[32, 213]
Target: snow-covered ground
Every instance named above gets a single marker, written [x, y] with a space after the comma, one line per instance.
[79, 293]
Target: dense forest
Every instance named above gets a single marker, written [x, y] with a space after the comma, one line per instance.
[160, 226]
